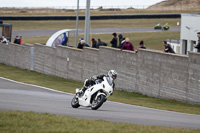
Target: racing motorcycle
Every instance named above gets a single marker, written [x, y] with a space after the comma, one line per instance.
[158, 26]
[95, 95]
[165, 28]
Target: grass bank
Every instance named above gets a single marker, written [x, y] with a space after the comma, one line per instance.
[119, 96]
[23, 122]
[152, 40]
[49, 11]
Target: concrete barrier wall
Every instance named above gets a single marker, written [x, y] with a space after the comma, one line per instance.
[149, 72]
[193, 92]
[163, 75]
[16, 55]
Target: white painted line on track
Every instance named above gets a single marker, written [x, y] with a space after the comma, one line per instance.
[36, 86]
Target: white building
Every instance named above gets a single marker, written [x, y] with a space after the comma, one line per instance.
[190, 25]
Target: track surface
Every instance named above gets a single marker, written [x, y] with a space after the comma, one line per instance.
[38, 33]
[19, 96]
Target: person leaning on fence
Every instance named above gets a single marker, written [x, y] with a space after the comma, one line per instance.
[128, 45]
[21, 40]
[168, 48]
[83, 44]
[141, 45]
[17, 40]
[100, 43]
[198, 44]
[4, 40]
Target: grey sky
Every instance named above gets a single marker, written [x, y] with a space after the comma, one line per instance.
[65, 3]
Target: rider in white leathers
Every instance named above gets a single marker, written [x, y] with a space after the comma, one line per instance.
[112, 74]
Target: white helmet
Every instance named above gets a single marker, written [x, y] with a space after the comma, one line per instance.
[112, 74]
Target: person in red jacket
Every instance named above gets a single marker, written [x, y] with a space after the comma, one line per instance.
[21, 40]
[128, 45]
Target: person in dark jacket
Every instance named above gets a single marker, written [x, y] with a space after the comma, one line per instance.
[64, 39]
[94, 43]
[17, 40]
[141, 45]
[83, 44]
[114, 41]
[128, 45]
[198, 44]
[121, 40]
[168, 48]
[100, 43]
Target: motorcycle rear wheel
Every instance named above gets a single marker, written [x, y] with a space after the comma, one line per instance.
[98, 102]
[75, 102]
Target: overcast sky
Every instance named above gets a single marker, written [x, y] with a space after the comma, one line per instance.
[62, 3]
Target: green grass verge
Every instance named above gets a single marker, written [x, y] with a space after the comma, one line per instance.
[71, 24]
[152, 40]
[119, 96]
[23, 122]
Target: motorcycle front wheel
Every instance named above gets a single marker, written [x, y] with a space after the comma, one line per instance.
[75, 102]
[98, 102]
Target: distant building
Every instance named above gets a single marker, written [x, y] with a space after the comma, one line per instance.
[190, 25]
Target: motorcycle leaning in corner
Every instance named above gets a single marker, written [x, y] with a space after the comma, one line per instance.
[95, 95]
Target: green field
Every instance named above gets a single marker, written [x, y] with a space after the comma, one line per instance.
[71, 24]
[25, 122]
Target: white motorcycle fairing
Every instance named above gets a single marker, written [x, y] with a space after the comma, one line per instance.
[104, 88]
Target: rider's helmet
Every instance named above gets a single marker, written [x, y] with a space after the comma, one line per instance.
[112, 74]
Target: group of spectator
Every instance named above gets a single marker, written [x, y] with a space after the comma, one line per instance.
[95, 44]
[18, 40]
[124, 43]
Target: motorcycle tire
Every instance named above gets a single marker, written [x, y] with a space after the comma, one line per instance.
[97, 103]
[75, 102]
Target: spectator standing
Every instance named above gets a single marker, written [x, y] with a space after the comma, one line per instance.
[114, 40]
[4, 40]
[141, 45]
[64, 39]
[100, 43]
[120, 36]
[198, 44]
[94, 43]
[128, 45]
[21, 40]
[168, 48]
[17, 40]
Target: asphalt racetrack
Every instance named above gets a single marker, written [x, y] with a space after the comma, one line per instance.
[24, 97]
[38, 33]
